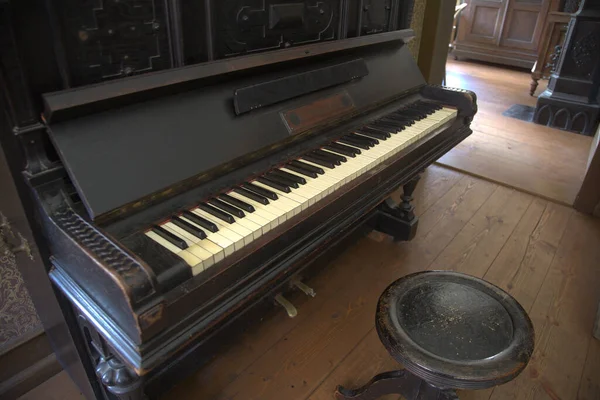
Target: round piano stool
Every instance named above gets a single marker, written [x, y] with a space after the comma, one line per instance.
[449, 331]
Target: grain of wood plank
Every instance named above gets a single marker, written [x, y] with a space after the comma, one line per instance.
[476, 246]
[476, 157]
[562, 314]
[523, 262]
[514, 129]
[434, 183]
[366, 360]
[443, 220]
[457, 203]
[589, 388]
[533, 158]
[295, 365]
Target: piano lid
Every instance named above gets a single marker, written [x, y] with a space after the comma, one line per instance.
[117, 157]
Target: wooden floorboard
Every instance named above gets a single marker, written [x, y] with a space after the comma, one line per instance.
[475, 247]
[535, 159]
[563, 314]
[543, 253]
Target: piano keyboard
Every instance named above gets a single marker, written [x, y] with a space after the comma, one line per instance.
[215, 229]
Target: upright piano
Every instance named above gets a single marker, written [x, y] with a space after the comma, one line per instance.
[191, 161]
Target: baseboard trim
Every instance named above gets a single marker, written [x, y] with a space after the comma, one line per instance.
[26, 365]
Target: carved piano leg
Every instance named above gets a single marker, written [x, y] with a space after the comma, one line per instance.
[120, 380]
[117, 379]
[533, 85]
[395, 382]
[399, 221]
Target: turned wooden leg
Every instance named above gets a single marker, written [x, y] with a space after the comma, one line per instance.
[396, 382]
[399, 220]
[533, 86]
[119, 380]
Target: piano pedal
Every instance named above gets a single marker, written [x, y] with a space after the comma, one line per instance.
[307, 290]
[285, 303]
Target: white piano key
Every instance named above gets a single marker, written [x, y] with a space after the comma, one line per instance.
[214, 249]
[188, 257]
[274, 215]
[239, 237]
[226, 244]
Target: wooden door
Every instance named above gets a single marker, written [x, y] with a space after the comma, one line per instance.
[524, 24]
[482, 21]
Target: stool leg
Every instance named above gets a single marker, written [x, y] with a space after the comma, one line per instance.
[396, 382]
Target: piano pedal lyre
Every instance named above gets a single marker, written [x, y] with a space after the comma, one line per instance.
[307, 290]
[285, 303]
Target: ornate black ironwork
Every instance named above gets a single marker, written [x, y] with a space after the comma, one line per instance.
[112, 39]
[554, 57]
[585, 52]
[571, 6]
[570, 101]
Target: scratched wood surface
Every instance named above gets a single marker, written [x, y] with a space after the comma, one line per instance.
[543, 253]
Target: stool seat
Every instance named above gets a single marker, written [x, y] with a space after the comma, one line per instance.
[453, 330]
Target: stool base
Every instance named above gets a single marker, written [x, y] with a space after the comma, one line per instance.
[400, 382]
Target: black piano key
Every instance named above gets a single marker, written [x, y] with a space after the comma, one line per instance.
[273, 184]
[292, 177]
[334, 156]
[425, 107]
[325, 158]
[361, 139]
[189, 228]
[430, 104]
[222, 215]
[307, 167]
[302, 171]
[397, 118]
[281, 180]
[344, 147]
[252, 196]
[259, 190]
[388, 126]
[351, 142]
[318, 161]
[170, 269]
[169, 237]
[198, 220]
[378, 132]
[347, 153]
[227, 208]
[412, 114]
[371, 133]
[238, 203]
[373, 141]
[398, 125]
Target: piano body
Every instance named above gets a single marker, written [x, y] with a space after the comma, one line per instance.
[180, 201]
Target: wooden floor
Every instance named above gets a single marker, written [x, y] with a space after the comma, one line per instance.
[536, 159]
[544, 254]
